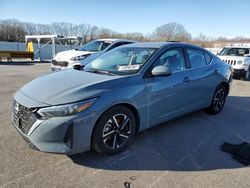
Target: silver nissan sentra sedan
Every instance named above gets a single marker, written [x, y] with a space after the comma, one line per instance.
[122, 92]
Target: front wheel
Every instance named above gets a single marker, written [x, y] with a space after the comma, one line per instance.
[218, 100]
[114, 130]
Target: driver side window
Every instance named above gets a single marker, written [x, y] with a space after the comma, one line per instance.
[173, 58]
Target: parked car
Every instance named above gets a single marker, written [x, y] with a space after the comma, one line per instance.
[120, 93]
[238, 58]
[80, 57]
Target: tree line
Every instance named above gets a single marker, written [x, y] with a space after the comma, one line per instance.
[12, 30]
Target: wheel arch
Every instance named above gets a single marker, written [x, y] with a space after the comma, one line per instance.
[135, 112]
[129, 106]
[226, 85]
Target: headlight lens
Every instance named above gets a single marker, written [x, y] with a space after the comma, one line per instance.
[65, 110]
[80, 57]
[239, 62]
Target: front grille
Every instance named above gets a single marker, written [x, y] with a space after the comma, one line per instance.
[60, 63]
[25, 117]
[230, 62]
[54, 62]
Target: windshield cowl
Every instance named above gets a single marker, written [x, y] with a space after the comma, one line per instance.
[100, 72]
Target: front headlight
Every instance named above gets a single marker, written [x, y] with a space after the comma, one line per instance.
[80, 57]
[65, 110]
[239, 62]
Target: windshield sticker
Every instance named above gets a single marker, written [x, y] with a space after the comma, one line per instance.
[108, 42]
[129, 67]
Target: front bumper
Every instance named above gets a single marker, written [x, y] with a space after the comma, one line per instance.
[64, 135]
[239, 72]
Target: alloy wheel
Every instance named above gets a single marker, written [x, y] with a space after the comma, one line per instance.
[116, 131]
[219, 99]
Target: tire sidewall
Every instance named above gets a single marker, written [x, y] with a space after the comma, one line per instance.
[97, 140]
[211, 109]
[247, 75]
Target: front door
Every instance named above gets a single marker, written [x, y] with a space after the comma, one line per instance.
[170, 95]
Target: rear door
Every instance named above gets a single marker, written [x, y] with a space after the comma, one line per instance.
[202, 76]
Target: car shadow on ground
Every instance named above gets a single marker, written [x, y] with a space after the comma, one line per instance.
[189, 143]
[23, 63]
[17, 63]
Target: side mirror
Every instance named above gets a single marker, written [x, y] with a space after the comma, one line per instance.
[161, 70]
[77, 67]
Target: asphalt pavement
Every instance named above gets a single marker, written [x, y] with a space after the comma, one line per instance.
[184, 152]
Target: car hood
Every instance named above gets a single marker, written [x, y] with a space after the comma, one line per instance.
[226, 57]
[69, 86]
[65, 55]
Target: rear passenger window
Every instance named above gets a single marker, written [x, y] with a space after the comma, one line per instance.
[118, 44]
[208, 57]
[196, 57]
[115, 45]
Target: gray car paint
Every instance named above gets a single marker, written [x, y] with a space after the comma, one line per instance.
[155, 99]
[54, 89]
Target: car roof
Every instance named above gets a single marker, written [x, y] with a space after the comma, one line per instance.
[147, 44]
[237, 47]
[115, 40]
[158, 44]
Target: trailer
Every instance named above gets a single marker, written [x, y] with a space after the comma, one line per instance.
[10, 55]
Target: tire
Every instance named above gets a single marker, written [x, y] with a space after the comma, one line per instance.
[218, 100]
[247, 74]
[114, 130]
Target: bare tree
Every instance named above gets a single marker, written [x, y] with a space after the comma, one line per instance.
[203, 41]
[12, 31]
[172, 31]
[15, 31]
[93, 32]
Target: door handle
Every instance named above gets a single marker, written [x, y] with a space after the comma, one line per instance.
[186, 79]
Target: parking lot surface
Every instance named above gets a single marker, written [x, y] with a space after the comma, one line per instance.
[184, 152]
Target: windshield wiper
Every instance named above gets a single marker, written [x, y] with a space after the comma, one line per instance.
[101, 72]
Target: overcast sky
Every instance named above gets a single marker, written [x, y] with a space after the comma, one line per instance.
[214, 18]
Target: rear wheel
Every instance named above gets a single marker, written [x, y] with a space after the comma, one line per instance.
[218, 100]
[114, 130]
[247, 75]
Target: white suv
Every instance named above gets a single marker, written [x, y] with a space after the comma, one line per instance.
[80, 57]
[238, 58]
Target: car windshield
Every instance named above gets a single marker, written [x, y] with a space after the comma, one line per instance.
[121, 61]
[95, 46]
[235, 51]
